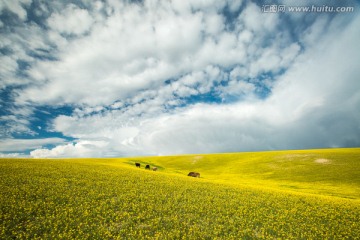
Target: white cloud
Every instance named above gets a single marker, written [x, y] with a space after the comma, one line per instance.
[8, 69]
[214, 23]
[17, 145]
[137, 48]
[234, 5]
[238, 89]
[312, 105]
[80, 149]
[13, 155]
[17, 121]
[72, 20]
[251, 16]
[133, 73]
[22, 47]
[17, 7]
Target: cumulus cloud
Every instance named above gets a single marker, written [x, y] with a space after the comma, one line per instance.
[72, 20]
[161, 77]
[80, 149]
[18, 145]
[312, 105]
[137, 47]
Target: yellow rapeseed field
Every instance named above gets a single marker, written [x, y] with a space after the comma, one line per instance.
[112, 199]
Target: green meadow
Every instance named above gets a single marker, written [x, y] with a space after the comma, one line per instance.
[308, 194]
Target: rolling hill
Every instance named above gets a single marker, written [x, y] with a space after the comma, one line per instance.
[334, 172]
[310, 194]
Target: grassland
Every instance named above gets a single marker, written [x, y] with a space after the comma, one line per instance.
[311, 194]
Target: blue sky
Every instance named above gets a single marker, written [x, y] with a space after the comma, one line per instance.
[123, 78]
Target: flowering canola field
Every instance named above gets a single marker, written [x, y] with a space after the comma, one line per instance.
[112, 199]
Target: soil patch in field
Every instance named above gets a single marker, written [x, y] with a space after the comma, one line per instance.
[196, 158]
[323, 161]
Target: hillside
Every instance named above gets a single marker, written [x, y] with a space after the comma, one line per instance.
[239, 196]
[334, 172]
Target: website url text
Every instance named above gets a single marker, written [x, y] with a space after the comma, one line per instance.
[310, 9]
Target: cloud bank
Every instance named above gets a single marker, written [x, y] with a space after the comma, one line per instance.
[161, 78]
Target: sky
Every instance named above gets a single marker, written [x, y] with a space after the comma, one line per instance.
[115, 78]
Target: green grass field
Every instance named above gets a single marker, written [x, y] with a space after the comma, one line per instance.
[310, 194]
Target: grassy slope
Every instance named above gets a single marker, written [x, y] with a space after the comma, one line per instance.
[333, 172]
